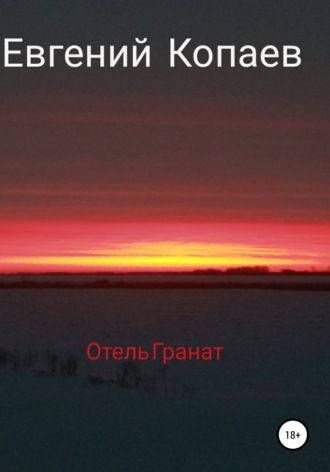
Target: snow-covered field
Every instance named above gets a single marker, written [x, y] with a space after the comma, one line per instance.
[275, 366]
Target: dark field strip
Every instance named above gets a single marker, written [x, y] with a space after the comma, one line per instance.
[302, 286]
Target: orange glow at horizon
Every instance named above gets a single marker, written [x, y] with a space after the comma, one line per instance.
[169, 255]
[138, 246]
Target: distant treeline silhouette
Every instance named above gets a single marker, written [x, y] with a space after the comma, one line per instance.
[244, 270]
[194, 281]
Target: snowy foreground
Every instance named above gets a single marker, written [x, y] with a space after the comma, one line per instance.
[275, 366]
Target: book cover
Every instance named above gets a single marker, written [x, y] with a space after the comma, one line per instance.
[164, 236]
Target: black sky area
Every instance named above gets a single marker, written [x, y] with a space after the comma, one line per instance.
[221, 143]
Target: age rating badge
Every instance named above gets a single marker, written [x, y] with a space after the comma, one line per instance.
[292, 434]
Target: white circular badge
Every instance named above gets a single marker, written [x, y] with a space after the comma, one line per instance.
[292, 434]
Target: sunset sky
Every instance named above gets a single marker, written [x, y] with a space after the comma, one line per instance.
[165, 169]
